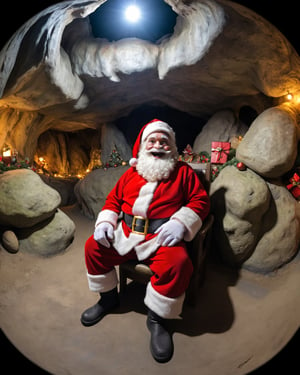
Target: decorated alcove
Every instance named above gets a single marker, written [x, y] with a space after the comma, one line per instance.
[72, 103]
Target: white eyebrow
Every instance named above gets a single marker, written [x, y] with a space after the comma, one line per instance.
[163, 136]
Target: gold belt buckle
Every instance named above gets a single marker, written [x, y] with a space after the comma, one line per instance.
[134, 224]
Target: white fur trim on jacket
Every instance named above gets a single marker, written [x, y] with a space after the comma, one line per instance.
[109, 216]
[103, 283]
[165, 307]
[125, 244]
[134, 241]
[142, 202]
[190, 220]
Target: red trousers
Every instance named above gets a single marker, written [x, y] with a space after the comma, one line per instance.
[171, 266]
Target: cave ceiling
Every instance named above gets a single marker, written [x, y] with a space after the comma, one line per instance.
[55, 74]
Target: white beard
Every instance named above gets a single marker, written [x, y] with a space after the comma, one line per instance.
[155, 169]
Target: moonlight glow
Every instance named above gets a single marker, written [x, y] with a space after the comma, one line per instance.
[132, 13]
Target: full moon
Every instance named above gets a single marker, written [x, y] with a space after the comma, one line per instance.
[132, 13]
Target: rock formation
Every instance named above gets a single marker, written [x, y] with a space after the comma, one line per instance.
[220, 58]
[29, 216]
[256, 217]
[203, 67]
[92, 191]
[25, 200]
[270, 145]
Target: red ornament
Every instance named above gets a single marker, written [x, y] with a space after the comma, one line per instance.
[241, 166]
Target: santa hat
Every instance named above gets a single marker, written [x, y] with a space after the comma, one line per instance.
[151, 127]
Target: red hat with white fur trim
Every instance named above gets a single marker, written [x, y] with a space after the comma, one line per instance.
[152, 127]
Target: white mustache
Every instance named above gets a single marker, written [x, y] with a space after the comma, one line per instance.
[160, 150]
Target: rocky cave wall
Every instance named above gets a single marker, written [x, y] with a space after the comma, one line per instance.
[63, 100]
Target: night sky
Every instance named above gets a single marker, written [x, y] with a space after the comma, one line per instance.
[282, 14]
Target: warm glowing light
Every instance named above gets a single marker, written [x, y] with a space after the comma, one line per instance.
[132, 13]
[7, 153]
[289, 96]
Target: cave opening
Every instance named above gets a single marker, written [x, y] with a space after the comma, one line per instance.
[157, 21]
[185, 125]
[75, 153]
[66, 154]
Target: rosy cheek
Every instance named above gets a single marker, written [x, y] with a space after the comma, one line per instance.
[167, 147]
[149, 146]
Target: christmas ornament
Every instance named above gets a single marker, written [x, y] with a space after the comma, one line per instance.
[241, 166]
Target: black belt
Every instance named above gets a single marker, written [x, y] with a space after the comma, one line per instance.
[141, 225]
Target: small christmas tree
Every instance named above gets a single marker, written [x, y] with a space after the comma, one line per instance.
[115, 159]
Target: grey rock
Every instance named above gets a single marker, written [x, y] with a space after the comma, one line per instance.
[49, 237]
[239, 201]
[91, 192]
[64, 186]
[112, 138]
[280, 233]
[10, 241]
[270, 145]
[222, 126]
[25, 199]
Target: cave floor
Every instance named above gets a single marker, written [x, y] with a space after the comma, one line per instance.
[241, 321]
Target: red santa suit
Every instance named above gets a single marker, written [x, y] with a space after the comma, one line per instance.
[180, 197]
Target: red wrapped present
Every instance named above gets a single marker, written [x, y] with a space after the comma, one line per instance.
[294, 186]
[219, 152]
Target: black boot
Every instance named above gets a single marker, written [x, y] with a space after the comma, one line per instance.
[108, 301]
[161, 343]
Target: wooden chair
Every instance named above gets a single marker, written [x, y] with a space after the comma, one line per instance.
[197, 248]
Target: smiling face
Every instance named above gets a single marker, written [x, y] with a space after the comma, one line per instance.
[158, 145]
[157, 156]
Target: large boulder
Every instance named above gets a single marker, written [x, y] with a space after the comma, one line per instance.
[270, 145]
[280, 228]
[92, 191]
[257, 224]
[239, 201]
[222, 126]
[25, 199]
[49, 237]
[112, 138]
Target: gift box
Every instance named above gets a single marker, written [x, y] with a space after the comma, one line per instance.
[294, 186]
[219, 152]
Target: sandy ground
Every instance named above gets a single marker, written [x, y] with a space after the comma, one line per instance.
[240, 322]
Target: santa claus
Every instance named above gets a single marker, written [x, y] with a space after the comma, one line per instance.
[157, 205]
